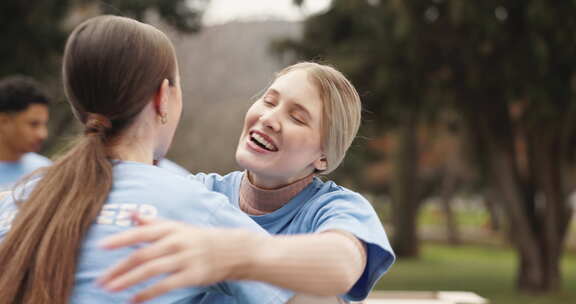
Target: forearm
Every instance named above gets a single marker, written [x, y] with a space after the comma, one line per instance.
[326, 263]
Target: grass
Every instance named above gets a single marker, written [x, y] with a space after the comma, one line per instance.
[486, 265]
[488, 271]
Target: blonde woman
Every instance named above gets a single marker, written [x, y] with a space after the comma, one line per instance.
[329, 240]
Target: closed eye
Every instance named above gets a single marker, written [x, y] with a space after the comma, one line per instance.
[298, 119]
[268, 101]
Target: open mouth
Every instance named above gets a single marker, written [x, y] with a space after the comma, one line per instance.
[262, 142]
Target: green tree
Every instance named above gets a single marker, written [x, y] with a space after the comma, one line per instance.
[507, 66]
[34, 32]
[33, 35]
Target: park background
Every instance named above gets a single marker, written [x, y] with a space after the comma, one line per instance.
[467, 149]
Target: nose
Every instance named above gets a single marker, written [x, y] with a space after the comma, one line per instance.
[270, 120]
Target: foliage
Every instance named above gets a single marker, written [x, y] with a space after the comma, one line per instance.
[34, 32]
[506, 66]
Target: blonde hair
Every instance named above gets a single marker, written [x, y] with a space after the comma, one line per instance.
[341, 110]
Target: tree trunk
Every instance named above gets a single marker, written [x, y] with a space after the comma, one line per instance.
[447, 193]
[538, 227]
[502, 176]
[490, 200]
[404, 191]
[553, 213]
[495, 135]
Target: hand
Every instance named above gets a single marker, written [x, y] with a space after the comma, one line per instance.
[191, 256]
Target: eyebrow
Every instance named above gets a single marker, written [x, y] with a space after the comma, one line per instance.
[272, 91]
[297, 105]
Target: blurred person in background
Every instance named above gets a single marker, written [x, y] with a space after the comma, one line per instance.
[23, 128]
[330, 240]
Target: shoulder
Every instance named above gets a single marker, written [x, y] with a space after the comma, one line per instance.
[217, 182]
[173, 167]
[36, 160]
[329, 193]
[143, 175]
[175, 195]
[334, 206]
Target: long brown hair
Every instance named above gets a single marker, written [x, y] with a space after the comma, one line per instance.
[112, 66]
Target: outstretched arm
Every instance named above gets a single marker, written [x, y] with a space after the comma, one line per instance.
[327, 263]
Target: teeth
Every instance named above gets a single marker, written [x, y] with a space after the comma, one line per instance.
[263, 141]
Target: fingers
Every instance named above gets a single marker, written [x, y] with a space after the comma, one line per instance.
[172, 282]
[161, 248]
[143, 220]
[167, 255]
[148, 233]
[144, 272]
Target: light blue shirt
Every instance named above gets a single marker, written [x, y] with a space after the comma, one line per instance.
[11, 172]
[321, 206]
[172, 166]
[153, 191]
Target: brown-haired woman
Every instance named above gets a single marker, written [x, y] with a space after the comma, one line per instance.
[121, 79]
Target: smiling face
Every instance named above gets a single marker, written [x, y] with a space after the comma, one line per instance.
[281, 139]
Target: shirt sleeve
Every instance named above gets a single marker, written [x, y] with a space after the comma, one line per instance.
[350, 212]
[227, 184]
[246, 292]
[211, 181]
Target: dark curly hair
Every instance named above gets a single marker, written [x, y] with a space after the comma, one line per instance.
[17, 93]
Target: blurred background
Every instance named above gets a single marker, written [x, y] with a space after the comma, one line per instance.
[468, 144]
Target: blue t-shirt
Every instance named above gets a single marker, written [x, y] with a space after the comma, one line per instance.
[152, 191]
[11, 172]
[321, 206]
[173, 167]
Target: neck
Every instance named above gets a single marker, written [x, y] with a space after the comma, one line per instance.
[272, 183]
[135, 144]
[139, 153]
[7, 154]
[257, 201]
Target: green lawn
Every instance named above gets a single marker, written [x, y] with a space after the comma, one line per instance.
[488, 271]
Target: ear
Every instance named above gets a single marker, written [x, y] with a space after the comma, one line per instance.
[321, 164]
[4, 119]
[161, 98]
[5, 123]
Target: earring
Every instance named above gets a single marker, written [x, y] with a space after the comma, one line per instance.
[164, 118]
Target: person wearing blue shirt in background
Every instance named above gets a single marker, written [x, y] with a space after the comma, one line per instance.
[23, 128]
[121, 79]
[330, 241]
